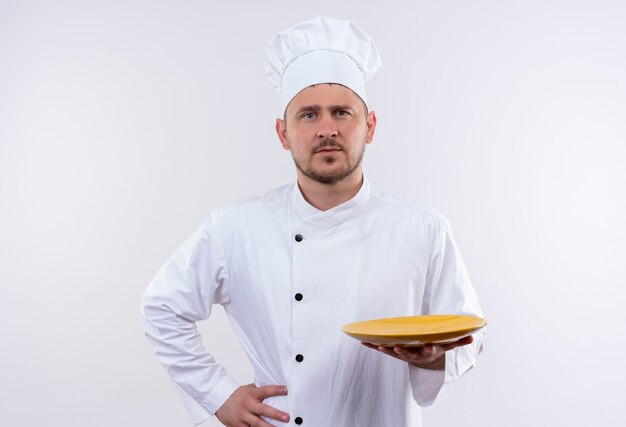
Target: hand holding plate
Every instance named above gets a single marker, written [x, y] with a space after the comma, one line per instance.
[430, 356]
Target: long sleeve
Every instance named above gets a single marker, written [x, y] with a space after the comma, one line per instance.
[182, 293]
[448, 290]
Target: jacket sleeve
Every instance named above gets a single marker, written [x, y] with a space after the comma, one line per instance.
[448, 290]
[182, 293]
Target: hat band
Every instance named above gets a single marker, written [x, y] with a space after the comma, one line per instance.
[321, 66]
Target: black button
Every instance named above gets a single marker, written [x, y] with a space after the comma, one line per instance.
[299, 357]
[299, 237]
[298, 420]
[298, 297]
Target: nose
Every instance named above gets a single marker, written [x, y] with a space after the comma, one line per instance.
[327, 127]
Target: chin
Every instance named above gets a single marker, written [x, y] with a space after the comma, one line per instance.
[330, 174]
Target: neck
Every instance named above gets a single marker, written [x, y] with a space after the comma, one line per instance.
[327, 196]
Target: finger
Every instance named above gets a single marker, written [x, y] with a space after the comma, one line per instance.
[253, 420]
[405, 351]
[266, 391]
[415, 354]
[382, 349]
[411, 352]
[428, 351]
[271, 412]
[366, 344]
[408, 354]
[389, 351]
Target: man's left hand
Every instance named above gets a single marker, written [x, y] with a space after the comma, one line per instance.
[431, 356]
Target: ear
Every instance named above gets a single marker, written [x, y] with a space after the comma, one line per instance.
[281, 131]
[371, 127]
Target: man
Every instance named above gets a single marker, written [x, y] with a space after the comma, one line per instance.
[293, 266]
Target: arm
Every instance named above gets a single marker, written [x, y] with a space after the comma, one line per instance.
[448, 290]
[183, 292]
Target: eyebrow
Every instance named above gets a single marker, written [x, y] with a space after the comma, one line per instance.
[308, 108]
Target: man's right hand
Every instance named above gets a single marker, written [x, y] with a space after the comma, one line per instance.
[245, 406]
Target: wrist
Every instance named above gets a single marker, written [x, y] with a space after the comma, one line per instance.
[439, 364]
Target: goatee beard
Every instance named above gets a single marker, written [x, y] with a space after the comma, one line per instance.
[330, 179]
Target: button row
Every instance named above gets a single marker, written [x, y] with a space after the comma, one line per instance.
[299, 357]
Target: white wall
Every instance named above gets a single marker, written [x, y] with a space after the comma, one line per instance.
[122, 123]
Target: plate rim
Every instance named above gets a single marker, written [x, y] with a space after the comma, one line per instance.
[482, 322]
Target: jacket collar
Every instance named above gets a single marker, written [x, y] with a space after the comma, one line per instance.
[304, 212]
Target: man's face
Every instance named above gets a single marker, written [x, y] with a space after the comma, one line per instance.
[326, 129]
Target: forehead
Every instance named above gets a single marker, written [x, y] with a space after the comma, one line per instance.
[324, 94]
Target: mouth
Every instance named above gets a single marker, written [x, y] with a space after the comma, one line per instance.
[328, 150]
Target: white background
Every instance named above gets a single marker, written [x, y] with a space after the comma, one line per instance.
[123, 123]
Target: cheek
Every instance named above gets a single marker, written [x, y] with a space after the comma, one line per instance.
[297, 149]
[354, 129]
[303, 151]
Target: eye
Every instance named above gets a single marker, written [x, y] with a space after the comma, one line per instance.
[307, 116]
[342, 113]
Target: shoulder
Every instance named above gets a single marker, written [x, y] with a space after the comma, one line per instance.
[250, 208]
[405, 209]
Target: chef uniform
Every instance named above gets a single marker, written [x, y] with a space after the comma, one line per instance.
[289, 276]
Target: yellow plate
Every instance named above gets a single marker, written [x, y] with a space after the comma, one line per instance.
[415, 331]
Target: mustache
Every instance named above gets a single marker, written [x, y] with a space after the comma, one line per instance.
[327, 142]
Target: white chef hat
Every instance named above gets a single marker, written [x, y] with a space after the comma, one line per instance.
[322, 50]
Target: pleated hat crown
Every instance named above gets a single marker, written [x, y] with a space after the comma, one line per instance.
[322, 50]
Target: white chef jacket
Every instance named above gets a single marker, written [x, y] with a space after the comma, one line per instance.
[373, 256]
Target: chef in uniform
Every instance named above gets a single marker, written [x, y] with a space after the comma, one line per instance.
[292, 266]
